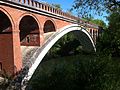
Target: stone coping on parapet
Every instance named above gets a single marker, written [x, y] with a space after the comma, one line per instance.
[40, 6]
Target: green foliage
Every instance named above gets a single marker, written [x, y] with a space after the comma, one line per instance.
[82, 72]
[67, 45]
[110, 41]
[98, 22]
[92, 7]
[4, 80]
[57, 6]
[114, 21]
[69, 11]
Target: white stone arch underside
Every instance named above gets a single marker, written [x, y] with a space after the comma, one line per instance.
[81, 33]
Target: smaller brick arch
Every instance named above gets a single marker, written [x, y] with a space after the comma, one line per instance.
[8, 21]
[29, 30]
[49, 26]
[28, 14]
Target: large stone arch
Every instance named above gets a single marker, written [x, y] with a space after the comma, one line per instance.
[49, 26]
[51, 41]
[30, 32]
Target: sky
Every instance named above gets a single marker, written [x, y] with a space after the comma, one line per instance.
[67, 4]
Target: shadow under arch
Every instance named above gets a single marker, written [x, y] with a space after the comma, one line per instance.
[6, 22]
[31, 15]
[29, 31]
[49, 26]
[53, 39]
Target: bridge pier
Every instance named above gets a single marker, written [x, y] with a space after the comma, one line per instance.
[6, 52]
[17, 56]
[10, 56]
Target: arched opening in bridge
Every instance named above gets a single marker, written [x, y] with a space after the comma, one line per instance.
[29, 37]
[67, 45]
[5, 24]
[29, 31]
[91, 32]
[49, 26]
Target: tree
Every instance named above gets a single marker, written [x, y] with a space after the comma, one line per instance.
[69, 11]
[98, 22]
[110, 41]
[57, 6]
[114, 21]
[91, 7]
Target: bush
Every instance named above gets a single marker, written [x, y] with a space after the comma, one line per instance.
[77, 73]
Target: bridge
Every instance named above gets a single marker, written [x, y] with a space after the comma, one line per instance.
[28, 29]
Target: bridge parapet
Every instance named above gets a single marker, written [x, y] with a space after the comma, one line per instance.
[43, 6]
[50, 11]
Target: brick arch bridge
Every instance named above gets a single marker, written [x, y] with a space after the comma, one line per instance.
[30, 23]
